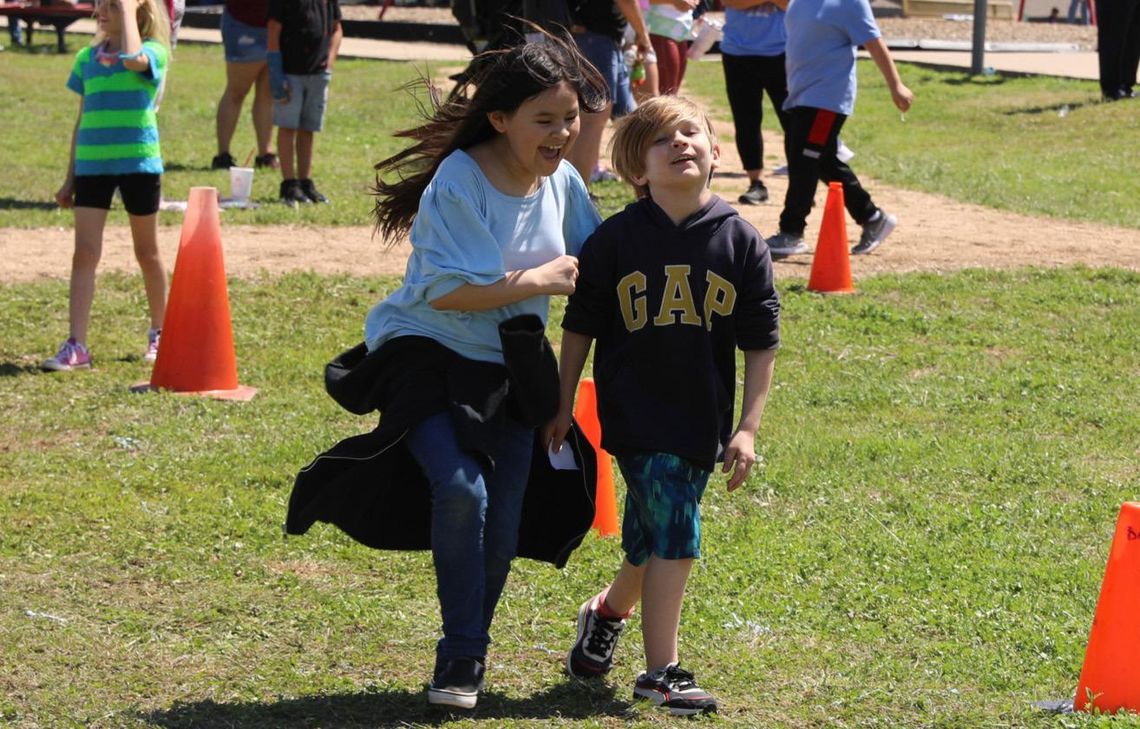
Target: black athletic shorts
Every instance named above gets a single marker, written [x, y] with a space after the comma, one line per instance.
[141, 192]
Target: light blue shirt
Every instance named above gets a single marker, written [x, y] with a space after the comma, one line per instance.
[822, 38]
[757, 31]
[468, 232]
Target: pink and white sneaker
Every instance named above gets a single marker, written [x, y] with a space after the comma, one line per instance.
[152, 338]
[71, 356]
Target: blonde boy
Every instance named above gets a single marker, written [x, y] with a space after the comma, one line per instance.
[669, 288]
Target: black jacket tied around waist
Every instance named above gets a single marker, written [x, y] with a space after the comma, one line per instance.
[372, 489]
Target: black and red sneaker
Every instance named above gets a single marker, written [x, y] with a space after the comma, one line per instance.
[593, 651]
[675, 689]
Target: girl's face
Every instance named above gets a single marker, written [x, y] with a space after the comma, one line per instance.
[109, 16]
[539, 133]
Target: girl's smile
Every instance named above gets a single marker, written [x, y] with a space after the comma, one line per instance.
[534, 138]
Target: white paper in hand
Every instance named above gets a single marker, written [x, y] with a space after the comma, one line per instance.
[563, 460]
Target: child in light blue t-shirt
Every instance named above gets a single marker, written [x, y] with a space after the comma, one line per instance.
[823, 36]
[496, 216]
[752, 55]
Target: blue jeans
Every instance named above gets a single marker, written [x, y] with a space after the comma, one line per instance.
[605, 54]
[474, 526]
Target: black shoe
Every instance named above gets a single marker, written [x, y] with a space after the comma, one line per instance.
[265, 160]
[291, 193]
[223, 161]
[675, 689]
[593, 651]
[309, 190]
[458, 684]
[756, 194]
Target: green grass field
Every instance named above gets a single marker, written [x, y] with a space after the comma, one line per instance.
[922, 544]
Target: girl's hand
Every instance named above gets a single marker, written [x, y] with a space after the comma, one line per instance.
[685, 4]
[554, 432]
[558, 277]
[739, 457]
[65, 196]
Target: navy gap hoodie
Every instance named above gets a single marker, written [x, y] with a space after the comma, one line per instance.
[668, 305]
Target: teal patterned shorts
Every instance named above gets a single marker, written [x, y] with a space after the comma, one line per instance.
[662, 507]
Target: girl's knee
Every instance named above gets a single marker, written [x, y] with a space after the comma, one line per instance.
[86, 254]
[460, 498]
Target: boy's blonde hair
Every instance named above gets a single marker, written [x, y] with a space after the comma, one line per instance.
[636, 131]
[153, 22]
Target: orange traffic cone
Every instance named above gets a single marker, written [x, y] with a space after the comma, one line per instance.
[605, 503]
[196, 354]
[1110, 678]
[831, 266]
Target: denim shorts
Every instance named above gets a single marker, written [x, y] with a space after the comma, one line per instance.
[141, 192]
[662, 507]
[305, 109]
[606, 56]
[243, 43]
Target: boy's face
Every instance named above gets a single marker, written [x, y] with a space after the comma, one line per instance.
[681, 156]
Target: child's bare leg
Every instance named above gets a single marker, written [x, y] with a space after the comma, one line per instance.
[304, 154]
[262, 111]
[89, 223]
[663, 591]
[286, 139]
[144, 233]
[625, 591]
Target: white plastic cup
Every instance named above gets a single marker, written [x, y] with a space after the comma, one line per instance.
[241, 183]
[710, 32]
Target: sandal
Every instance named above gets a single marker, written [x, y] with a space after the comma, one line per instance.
[266, 160]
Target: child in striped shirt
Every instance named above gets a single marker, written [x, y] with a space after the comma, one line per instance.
[115, 146]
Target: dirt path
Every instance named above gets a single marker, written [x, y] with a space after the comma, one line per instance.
[934, 234]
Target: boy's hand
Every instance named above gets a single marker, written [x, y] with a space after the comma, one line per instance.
[739, 457]
[554, 432]
[902, 96]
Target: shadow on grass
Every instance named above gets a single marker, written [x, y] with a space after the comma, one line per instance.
[11, 203]
[572, 700]
[1050, 109]
[12, 369]
[995, 79]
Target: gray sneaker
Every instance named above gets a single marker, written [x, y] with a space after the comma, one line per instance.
[755, 195]
[784, 244]
[875, 233]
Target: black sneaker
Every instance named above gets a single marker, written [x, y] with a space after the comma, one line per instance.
[756, 194]
[309, 190]
[593, 651]
[874, 233]
[675, 689]
[291, 193]
[458, 684]
[265, 160]
[223, 161]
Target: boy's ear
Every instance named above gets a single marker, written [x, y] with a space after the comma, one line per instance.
[715, 156]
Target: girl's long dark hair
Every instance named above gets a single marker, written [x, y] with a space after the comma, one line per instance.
[499, 81]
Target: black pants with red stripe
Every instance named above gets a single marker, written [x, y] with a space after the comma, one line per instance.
[810, 141]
